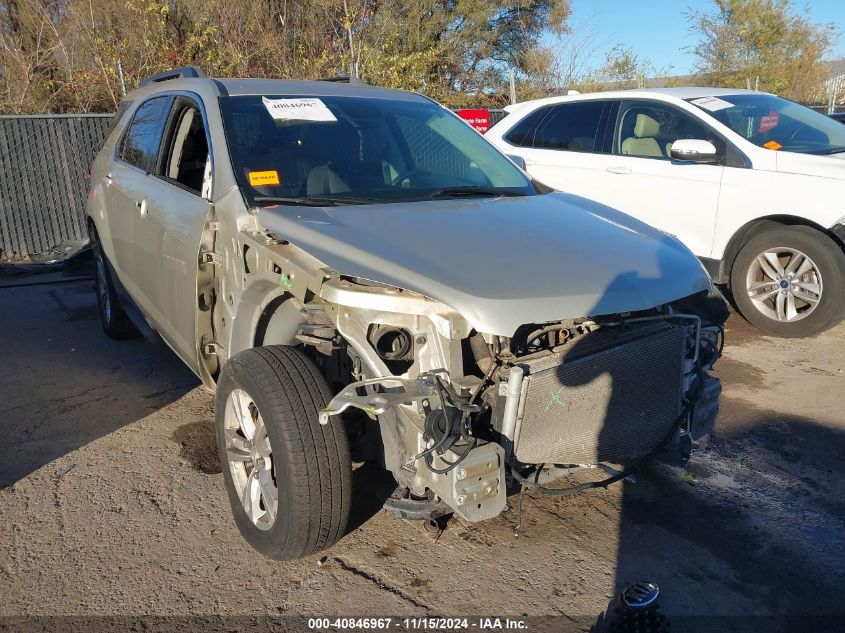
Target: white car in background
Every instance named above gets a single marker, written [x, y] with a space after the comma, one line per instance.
[753, 184]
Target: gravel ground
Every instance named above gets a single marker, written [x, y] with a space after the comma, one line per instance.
[112, 503]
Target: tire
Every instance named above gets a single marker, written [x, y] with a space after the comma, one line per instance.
[779, 307]
[308, 464]
[115, 323]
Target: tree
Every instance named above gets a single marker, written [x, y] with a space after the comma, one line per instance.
[623, 68]
[66, 55]
[742, 40]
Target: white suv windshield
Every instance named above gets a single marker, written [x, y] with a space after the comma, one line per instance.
[347, 150]
[776, 123]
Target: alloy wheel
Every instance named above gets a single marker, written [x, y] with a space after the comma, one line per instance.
[250, 459]
[784, 284]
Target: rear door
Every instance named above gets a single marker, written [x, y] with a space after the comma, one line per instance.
[129, 182]
[565, 148]
[169, 231]
[642, 180]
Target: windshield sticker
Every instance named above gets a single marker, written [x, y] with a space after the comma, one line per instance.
[712, 104]
[769, 121]
[263, 178]
[306, 109]
[773, 145]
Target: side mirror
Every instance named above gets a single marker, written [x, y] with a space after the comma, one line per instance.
[519, 161]
[694, 150]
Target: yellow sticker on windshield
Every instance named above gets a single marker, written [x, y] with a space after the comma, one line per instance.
[772, 145]
[262, 178]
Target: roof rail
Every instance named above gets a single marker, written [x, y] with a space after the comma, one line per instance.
[345, 79]
[183, 72]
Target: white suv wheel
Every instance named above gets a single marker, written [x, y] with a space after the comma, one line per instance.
[784, 284]
[790, 281]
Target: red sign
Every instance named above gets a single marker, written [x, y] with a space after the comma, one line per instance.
[479, 119]
[769, 121]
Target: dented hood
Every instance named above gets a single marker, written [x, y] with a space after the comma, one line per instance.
[500, 262]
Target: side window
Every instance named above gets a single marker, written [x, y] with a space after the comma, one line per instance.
[648, 129]
[188, 147]
[522, 134]
[575, 127]
[140, 144]
[121, 110]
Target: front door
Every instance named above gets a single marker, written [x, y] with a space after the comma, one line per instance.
[169, 232]
[680, 198]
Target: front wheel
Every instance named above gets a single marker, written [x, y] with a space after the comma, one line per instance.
[289, 479]
[789, 281]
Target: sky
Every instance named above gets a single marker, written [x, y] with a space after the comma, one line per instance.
[659, 31]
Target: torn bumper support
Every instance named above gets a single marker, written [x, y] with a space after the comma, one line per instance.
[396, 391]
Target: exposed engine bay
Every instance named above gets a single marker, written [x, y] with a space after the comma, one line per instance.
[460, 417]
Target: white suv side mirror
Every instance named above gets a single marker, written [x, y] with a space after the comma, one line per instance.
[694, 150]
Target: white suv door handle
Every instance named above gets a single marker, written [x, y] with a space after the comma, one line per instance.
[142, 206]
[618, 170]
[529, 161]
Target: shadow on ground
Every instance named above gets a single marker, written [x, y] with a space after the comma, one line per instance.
[64, 383]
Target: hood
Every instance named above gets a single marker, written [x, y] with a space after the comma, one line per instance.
[500, 262]
[825, 166]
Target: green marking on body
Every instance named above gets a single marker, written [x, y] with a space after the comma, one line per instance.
[554, 398]
[285, 281]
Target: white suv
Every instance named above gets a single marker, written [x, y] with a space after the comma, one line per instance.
[753, 184]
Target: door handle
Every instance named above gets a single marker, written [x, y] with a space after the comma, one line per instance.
[142, 206]
[108, 179]
[618, 170]
[529, 161]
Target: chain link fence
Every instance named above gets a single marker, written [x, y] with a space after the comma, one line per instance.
[44, 164]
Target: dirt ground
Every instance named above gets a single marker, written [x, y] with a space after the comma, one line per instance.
[112, 502]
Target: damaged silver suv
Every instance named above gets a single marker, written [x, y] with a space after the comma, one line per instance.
[361, 276]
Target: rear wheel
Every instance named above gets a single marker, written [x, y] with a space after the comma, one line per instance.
[788, 281]
[112, 316]
[289, 479]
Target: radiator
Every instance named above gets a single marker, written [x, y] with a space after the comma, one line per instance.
[612, 395]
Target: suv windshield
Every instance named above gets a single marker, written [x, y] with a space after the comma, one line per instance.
[776, 123]
[352, 150]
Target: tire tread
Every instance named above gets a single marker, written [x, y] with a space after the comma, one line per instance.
[296, 391]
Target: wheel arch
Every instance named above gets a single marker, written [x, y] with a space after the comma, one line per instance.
[266, 315]
[748, 230]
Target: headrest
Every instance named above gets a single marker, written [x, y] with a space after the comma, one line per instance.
[646, 126]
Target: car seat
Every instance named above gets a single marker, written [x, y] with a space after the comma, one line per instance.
[643, 143]
[329, 147]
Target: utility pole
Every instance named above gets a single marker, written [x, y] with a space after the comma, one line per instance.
[120, 75]
[353, 65]
[831, 96]
[513, 86]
